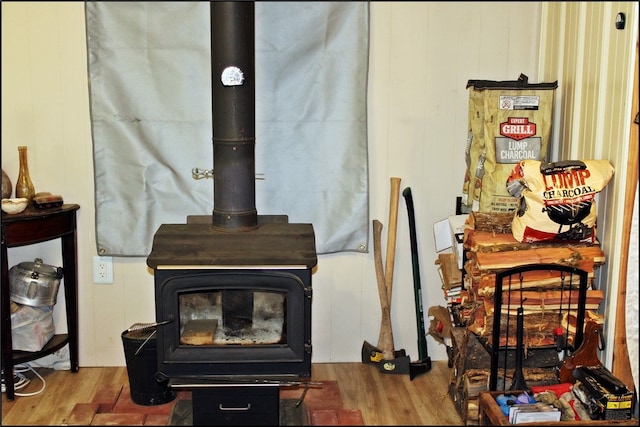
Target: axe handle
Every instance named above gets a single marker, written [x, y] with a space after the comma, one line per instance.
[385, 341]
[415, 264]
[391, 234]
[387, 274]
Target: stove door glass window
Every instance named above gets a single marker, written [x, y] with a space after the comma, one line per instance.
[232, 317]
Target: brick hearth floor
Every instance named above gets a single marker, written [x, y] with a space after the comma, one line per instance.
[112, 405]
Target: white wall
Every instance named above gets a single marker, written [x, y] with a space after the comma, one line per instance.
[422, 55]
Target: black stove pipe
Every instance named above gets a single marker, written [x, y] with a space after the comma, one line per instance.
[233, 108]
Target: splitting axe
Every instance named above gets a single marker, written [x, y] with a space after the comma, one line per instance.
[385, 349]
[424, 363]
[390, 360]
[385, 355]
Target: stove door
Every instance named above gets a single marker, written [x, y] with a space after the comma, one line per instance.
[234, 323]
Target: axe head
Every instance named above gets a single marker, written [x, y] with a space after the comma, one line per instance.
[373, 354]
[419, 367]
[370, 353]
[398, 365]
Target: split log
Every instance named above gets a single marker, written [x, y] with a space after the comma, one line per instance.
[539, 327]
[491, 232]
[533, 377]
[451, 274]
[469, 356]
[476, 380]
[485, 283]
[545, 301]
[568, 255]
[199, 332]
[485, 241]
[490, 222]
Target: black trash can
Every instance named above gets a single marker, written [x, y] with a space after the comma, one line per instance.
[140, 352]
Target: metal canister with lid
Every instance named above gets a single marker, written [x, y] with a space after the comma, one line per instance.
[35, 283]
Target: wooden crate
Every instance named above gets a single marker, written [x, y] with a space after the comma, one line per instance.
[468, 356]
[489, 414]
[475, 381]
[470, 374]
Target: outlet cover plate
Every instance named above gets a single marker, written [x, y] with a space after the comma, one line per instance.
[103, 270]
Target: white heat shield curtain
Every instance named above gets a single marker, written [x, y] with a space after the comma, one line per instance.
[150, 96]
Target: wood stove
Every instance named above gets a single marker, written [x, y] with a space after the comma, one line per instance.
[233, 290]
[233, 306]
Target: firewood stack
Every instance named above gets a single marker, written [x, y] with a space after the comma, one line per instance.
[490, 248]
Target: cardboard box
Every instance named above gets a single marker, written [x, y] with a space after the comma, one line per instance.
[449, 233]
[456, 228]
[609, 404]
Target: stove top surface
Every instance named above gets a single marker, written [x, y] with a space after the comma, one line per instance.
[199, 243]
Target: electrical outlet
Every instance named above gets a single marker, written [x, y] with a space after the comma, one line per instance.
[102, 269]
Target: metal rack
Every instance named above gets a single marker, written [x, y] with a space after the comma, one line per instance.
[510, 280]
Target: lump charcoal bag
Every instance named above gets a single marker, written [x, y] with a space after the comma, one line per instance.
[475, 152]
[509, 121]
[557, 200]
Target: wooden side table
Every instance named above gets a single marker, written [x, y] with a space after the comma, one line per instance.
[27, 228]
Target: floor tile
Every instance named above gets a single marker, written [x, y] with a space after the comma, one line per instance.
[112, 405]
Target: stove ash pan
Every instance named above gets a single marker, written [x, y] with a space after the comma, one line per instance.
[233, 324]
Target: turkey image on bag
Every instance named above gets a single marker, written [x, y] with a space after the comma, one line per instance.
[557, 200]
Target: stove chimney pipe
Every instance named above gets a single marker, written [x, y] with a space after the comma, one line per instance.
[233, 114]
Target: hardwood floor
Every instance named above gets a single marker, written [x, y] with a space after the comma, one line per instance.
[392, 399]
[383, 399]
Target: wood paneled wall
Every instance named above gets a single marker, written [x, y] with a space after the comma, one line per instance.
[594, 64]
